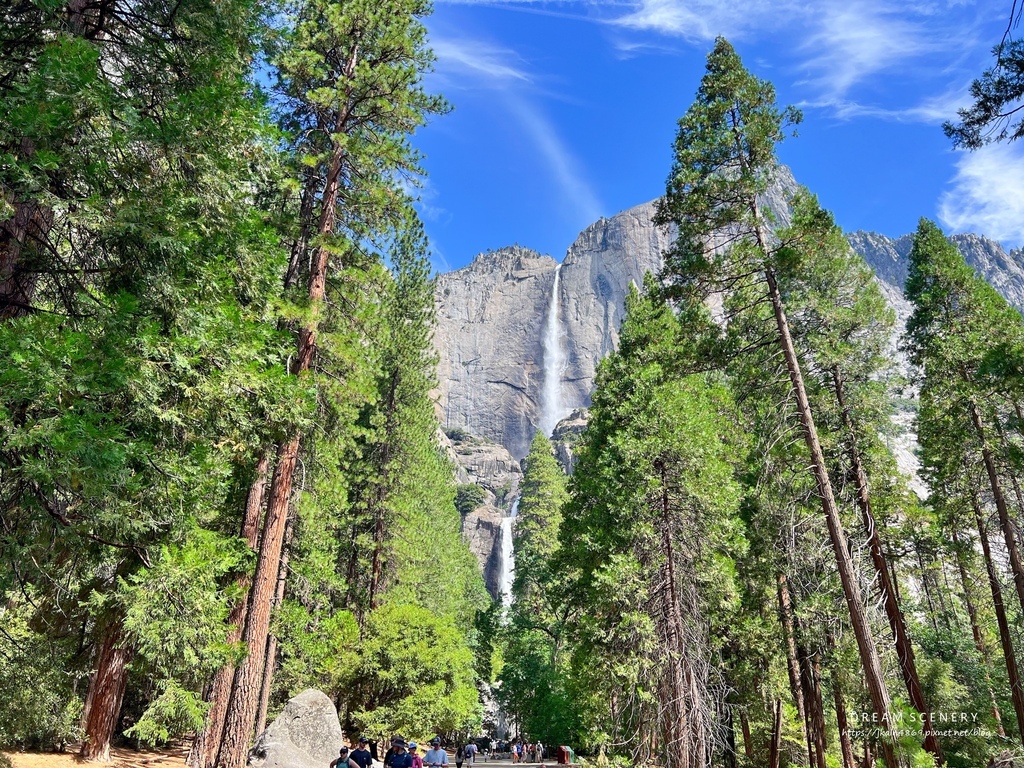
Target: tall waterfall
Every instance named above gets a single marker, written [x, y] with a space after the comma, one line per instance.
[552, 409]
[508, 563]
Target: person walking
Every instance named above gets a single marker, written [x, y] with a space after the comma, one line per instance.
[539, 750]
[460, 755]
[361, 754]
[417, 761]
[399, 757]
[471, 750]
[343, 760]
[435, 757]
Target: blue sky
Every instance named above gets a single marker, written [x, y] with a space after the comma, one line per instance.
[565, 112]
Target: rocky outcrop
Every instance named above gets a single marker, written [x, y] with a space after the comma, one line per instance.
[490, 318]
[306, 734]
[487, 464]
[493, 469]
[481, 529]
[565, 437]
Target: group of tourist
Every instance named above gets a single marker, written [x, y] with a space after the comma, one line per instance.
[404, 755]
[526, 753]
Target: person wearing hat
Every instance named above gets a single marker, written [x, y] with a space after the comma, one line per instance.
[343, 760]
[417, 760]
[399, 757]
[361, 755]
[435, 757]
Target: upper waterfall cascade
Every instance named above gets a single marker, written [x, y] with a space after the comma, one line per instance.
[552, 407]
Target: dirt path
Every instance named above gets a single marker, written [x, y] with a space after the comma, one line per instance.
[172, 757]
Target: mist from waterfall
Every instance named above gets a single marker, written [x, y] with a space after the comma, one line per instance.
[508, 563]
[552, 408]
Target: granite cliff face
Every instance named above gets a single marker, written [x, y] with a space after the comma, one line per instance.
[490, 318]
[494, 314]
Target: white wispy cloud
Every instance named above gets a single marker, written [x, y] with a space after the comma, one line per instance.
[933, 110]
[560, 160]
[834, 44]
[987, 195]
[853, 41]
[478, 58]
[701, 20]
[474, 63]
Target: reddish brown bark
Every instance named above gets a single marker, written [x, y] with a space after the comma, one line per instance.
[244, 701]
[106, 691]
[271, 657]
[843, 722]
[20, 237]
[816, 745]
[1010, 657]
[683, 726]
[979, 640]
[245, 694]
[748, 742]
[204, 749]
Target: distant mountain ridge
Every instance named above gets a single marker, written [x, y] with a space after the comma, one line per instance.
[1003, 269]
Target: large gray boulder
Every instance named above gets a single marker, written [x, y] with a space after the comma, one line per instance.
[306, 734]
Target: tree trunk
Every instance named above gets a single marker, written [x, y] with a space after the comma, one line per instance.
[870, 662]
[106, 690]
[271, 657]
[241, 715]
[979, 640]
[377, 561]
[748, 742]
[774, 751]
[897, 623]
[792, 662]
[729, 753]
[1009, 536]
[244, 702]
[842, 721]
[19, 237]
[816, 746]
[1012, 674]
[681, 702]
[204, 750]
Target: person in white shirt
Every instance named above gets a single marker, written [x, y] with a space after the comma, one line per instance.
[435, 757]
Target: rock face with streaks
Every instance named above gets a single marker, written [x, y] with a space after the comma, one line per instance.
[491, 320]
[490, 317]
[481, 529]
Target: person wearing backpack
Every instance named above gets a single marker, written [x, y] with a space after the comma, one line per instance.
[399, 758]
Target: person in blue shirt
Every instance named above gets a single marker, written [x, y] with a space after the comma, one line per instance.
[361, 755]
[400, 758]
[435, 757]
